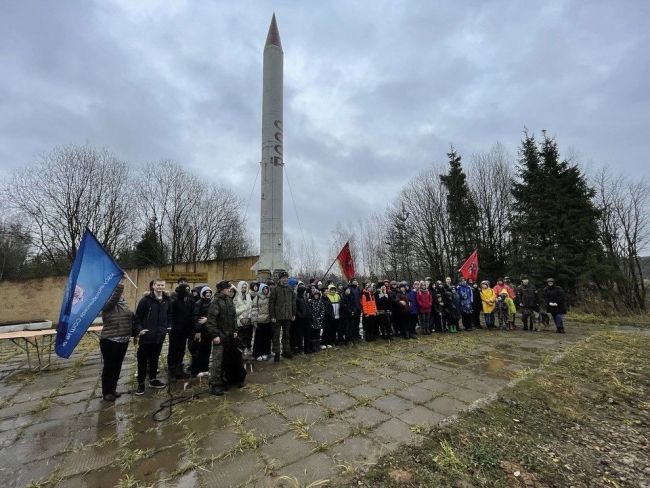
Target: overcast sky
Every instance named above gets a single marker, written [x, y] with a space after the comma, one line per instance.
[375, 91]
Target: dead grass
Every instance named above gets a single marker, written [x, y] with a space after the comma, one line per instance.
[581, 421]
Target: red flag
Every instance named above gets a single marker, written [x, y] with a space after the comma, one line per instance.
[469, 270]
[345, 261]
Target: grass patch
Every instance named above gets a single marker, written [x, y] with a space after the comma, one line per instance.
[581, 421]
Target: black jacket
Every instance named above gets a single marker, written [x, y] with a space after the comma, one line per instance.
[555, 294]
[303, 313]
[155, 316]
[182, 310]
[477, 303]
[201, 307]
[527, 296]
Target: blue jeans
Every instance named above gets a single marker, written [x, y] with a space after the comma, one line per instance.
[558, 319]
[489, 319]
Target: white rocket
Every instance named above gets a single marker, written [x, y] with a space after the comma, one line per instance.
[271, 222]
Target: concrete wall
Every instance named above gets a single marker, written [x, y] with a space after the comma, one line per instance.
[41, 298]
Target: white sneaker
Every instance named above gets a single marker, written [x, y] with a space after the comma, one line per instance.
[261, 358]
[323, 347]
[329, 346]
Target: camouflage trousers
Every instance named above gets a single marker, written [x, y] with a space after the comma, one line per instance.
[281, 326]
[216, 371]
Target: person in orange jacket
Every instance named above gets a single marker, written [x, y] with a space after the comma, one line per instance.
[369, 311]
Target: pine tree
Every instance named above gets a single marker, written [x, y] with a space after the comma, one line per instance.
[554, 226]
[461, 207]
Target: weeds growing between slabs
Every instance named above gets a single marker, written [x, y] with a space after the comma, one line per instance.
[582, 421]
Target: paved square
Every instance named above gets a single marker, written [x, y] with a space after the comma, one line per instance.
[315, 417]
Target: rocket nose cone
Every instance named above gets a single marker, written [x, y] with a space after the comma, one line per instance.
[273, 37]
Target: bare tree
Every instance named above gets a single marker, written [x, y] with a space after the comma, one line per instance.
[490, 180]
[310, 262]
[71, 189]
[625, 232]
[14, 247]
[195, 220]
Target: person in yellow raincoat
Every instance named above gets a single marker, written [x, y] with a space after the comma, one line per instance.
[489, 300]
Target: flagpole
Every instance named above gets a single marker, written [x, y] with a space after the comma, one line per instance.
[328, 269]
[130, 280]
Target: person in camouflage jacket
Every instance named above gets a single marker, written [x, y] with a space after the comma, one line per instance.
[221, 327]
[282, 309]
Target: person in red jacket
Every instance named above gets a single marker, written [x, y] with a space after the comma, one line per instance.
[425, 301]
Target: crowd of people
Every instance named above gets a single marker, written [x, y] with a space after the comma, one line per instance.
[267, 321]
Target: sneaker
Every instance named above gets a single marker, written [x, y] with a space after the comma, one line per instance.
[117, 394]
[329, 346]
[260, 358]
[155, 383]
[109, 398]
[323, 346]
[140, 390]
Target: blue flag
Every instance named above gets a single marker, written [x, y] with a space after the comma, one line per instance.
[93, 277]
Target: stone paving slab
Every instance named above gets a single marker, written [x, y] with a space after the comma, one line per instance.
[312, 418]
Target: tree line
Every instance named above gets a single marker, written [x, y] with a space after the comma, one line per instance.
[537, 214]
[157, 214]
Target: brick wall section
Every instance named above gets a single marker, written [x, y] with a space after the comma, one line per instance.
[40, 298]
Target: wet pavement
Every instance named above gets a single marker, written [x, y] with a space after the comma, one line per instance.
[317, 417]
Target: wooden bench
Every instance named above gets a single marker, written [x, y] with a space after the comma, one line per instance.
[29, 339]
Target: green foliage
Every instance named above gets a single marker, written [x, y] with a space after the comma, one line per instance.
[149, 251]
[555, 222]
[461, 207]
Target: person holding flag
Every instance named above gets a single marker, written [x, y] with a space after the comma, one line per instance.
[114, 341]
[469, 269]
[93, 277]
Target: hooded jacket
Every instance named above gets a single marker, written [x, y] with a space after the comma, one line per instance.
[201, 307]
[465, 295]
[317, 307]
[242, 305]
[260, 306]
[155, 316]
[335, 300]
[303, 314]
[489, 299]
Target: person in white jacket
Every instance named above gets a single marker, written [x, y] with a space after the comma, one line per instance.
[242, 301]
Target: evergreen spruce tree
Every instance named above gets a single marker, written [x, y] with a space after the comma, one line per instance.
[149, 250]
[461, 207]
[555, 222]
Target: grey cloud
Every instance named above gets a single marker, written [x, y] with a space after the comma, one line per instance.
[374, 92]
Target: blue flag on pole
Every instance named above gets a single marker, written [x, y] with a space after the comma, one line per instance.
[93, 277]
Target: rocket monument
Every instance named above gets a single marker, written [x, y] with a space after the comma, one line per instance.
[271, 220]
